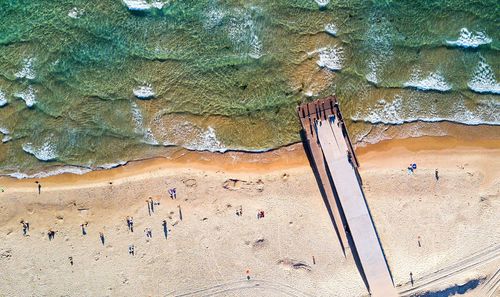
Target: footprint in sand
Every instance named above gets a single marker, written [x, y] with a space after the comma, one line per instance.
[234, 184]
[288, 263]
[190, 183]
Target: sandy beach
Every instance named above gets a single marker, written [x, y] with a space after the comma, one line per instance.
[444, 232]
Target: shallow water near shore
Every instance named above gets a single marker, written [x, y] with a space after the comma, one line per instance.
[98, 84]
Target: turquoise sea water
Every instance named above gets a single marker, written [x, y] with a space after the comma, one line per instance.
[91, 83]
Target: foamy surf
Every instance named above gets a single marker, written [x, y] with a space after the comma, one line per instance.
[45, 152]
[331, 29]
[3, 99]
[398, 111]
[142, 5]
[483, 80]
[433, 82]
[138, 120]
[470, 39]
[322, 3]
[5, 132]
[57, 171]
[28, 95]
[378, 40]
[27, 71]
[75, 13]
[330, 58]
[144, 92]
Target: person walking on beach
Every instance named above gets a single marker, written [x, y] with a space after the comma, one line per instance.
[39, 187]
[180, 212]
[25, 227]
[436, 174]
[165, 228]
[149, 207]
[152, 205]
[130, 224]
[149, 233]
[84, 225]
[70, 260]
[51, 234]
[101, 237]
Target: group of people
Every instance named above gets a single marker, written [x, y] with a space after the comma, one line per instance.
[413, 167]
[173, 193]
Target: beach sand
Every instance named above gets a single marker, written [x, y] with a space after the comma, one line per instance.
[211, 251]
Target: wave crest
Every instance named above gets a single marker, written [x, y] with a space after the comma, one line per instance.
[483, 79]
[331, 58]
[45, 152]
[433, 82]
[470, 39]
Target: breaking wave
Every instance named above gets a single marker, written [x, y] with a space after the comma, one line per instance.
[322, 3]
[433, 82]
[45, 152]
[144, 92]
[28, 95]
[484, 80]
[331, 29]
[3, 99]
[27, 71]
[142, 5]
[397, 112]
[330, 58]
[470, 39]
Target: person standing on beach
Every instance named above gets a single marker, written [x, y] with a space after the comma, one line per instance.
[436, 173]
[165, 228]
[101, 236]
[39, 187]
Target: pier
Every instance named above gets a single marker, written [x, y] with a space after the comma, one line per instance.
[335, 165]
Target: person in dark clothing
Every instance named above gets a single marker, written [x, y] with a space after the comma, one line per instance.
[436, 173]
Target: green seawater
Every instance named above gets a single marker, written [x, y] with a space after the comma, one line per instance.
[228, 75]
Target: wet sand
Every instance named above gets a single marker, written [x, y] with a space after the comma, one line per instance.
[212, 248]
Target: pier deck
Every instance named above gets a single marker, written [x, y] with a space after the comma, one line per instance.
[333, 157]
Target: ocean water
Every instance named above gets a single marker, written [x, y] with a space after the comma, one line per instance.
[92, 84]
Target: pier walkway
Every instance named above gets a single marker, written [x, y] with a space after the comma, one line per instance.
[332, 157]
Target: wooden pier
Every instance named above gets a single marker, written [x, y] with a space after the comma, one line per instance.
[335, 164]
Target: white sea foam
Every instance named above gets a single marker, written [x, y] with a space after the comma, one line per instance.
[470, 39]
[45, 152]
[144, 92]
[142, 5]
[3, 99]
[322, 3]
[483, 79]
[255, 47]
[28, 95]
[331, 58]
[373, 65]
[6, 137]
[378, 39]
[397, 111]
[27, 71]
[138, 119]
[4, 131]
[111, 165]
[57, 171]
[213, 18]
[331, 29]
[434, 81]
[241, 30]
[76, 13]
[206, 141]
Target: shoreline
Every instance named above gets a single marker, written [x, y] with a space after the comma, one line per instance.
[424, 225]
[287, 157]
